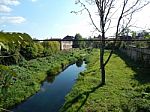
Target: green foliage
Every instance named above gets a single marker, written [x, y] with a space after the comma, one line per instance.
[6, 76]
[3, 47]
[40, 49]
[50, 47]
[133, 34]
[54, 70]
[79, 44]
[141, 44]
[31, 73]
[10, 46]
[29, 51]
[17, 38]
[16, 46]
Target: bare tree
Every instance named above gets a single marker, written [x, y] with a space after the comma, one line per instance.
[111, 14]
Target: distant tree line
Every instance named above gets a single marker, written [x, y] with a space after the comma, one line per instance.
[126, 34]
[15, 47]
[77, 43]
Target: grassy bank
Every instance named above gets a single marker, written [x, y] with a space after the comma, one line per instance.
[31, 73]
[127, 87]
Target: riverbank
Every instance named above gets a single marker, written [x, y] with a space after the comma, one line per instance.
[127, 87]
[52, 93]
[31, 73]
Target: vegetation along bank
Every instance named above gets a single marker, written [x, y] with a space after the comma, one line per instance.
[127, 87]
[25, 64]
[30, 74]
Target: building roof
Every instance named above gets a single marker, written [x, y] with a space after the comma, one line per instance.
[68, 37]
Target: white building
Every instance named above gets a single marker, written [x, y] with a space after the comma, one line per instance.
[67, 43]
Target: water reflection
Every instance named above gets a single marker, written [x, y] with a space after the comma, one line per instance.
[53, 91]
[50, 79]
[79, 62]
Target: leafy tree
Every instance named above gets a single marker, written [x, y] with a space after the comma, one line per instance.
[40, 49]
[78, 43]
[11, 46]
[29, 51]
[56, 46]
[133, 34]
[50, 47]
[146, 34]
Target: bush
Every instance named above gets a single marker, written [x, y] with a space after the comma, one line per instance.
[40, 49]
[54, 70]
[11, 44]
[6, 79]
[50, 47]
[29, 51]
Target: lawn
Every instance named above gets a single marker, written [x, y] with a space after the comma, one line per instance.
[127, 87]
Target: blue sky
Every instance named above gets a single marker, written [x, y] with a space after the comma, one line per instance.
[48, 18]
[40, 18]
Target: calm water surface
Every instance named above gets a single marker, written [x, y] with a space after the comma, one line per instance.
[52, 93]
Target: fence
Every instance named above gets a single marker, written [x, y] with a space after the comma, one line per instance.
[138, 54]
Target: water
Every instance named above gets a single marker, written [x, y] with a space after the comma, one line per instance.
[51, 96]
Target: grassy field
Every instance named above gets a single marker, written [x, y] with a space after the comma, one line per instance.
[127, 87]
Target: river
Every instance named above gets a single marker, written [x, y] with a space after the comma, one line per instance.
[52, 94]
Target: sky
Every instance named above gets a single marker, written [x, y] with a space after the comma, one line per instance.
[43, 19]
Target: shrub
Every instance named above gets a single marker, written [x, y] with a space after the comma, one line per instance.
[50, 47]
[54, 70]
[29, 51]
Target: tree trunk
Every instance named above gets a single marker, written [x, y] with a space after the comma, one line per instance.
[103, 74]
[102, 51]
[102, 66]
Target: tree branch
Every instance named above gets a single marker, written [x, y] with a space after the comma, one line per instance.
[108, 12]
[135, 10]
[111, 52]
[85, 8]
[119, 20]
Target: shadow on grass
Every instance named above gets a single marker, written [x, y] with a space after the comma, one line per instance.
[142, 72]
[79, 97]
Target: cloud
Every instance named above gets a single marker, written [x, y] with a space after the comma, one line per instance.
[12, 20]
[10, 2]
[33, 0]
[5, 9]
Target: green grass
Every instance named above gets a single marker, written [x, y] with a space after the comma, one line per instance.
[127, 87]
